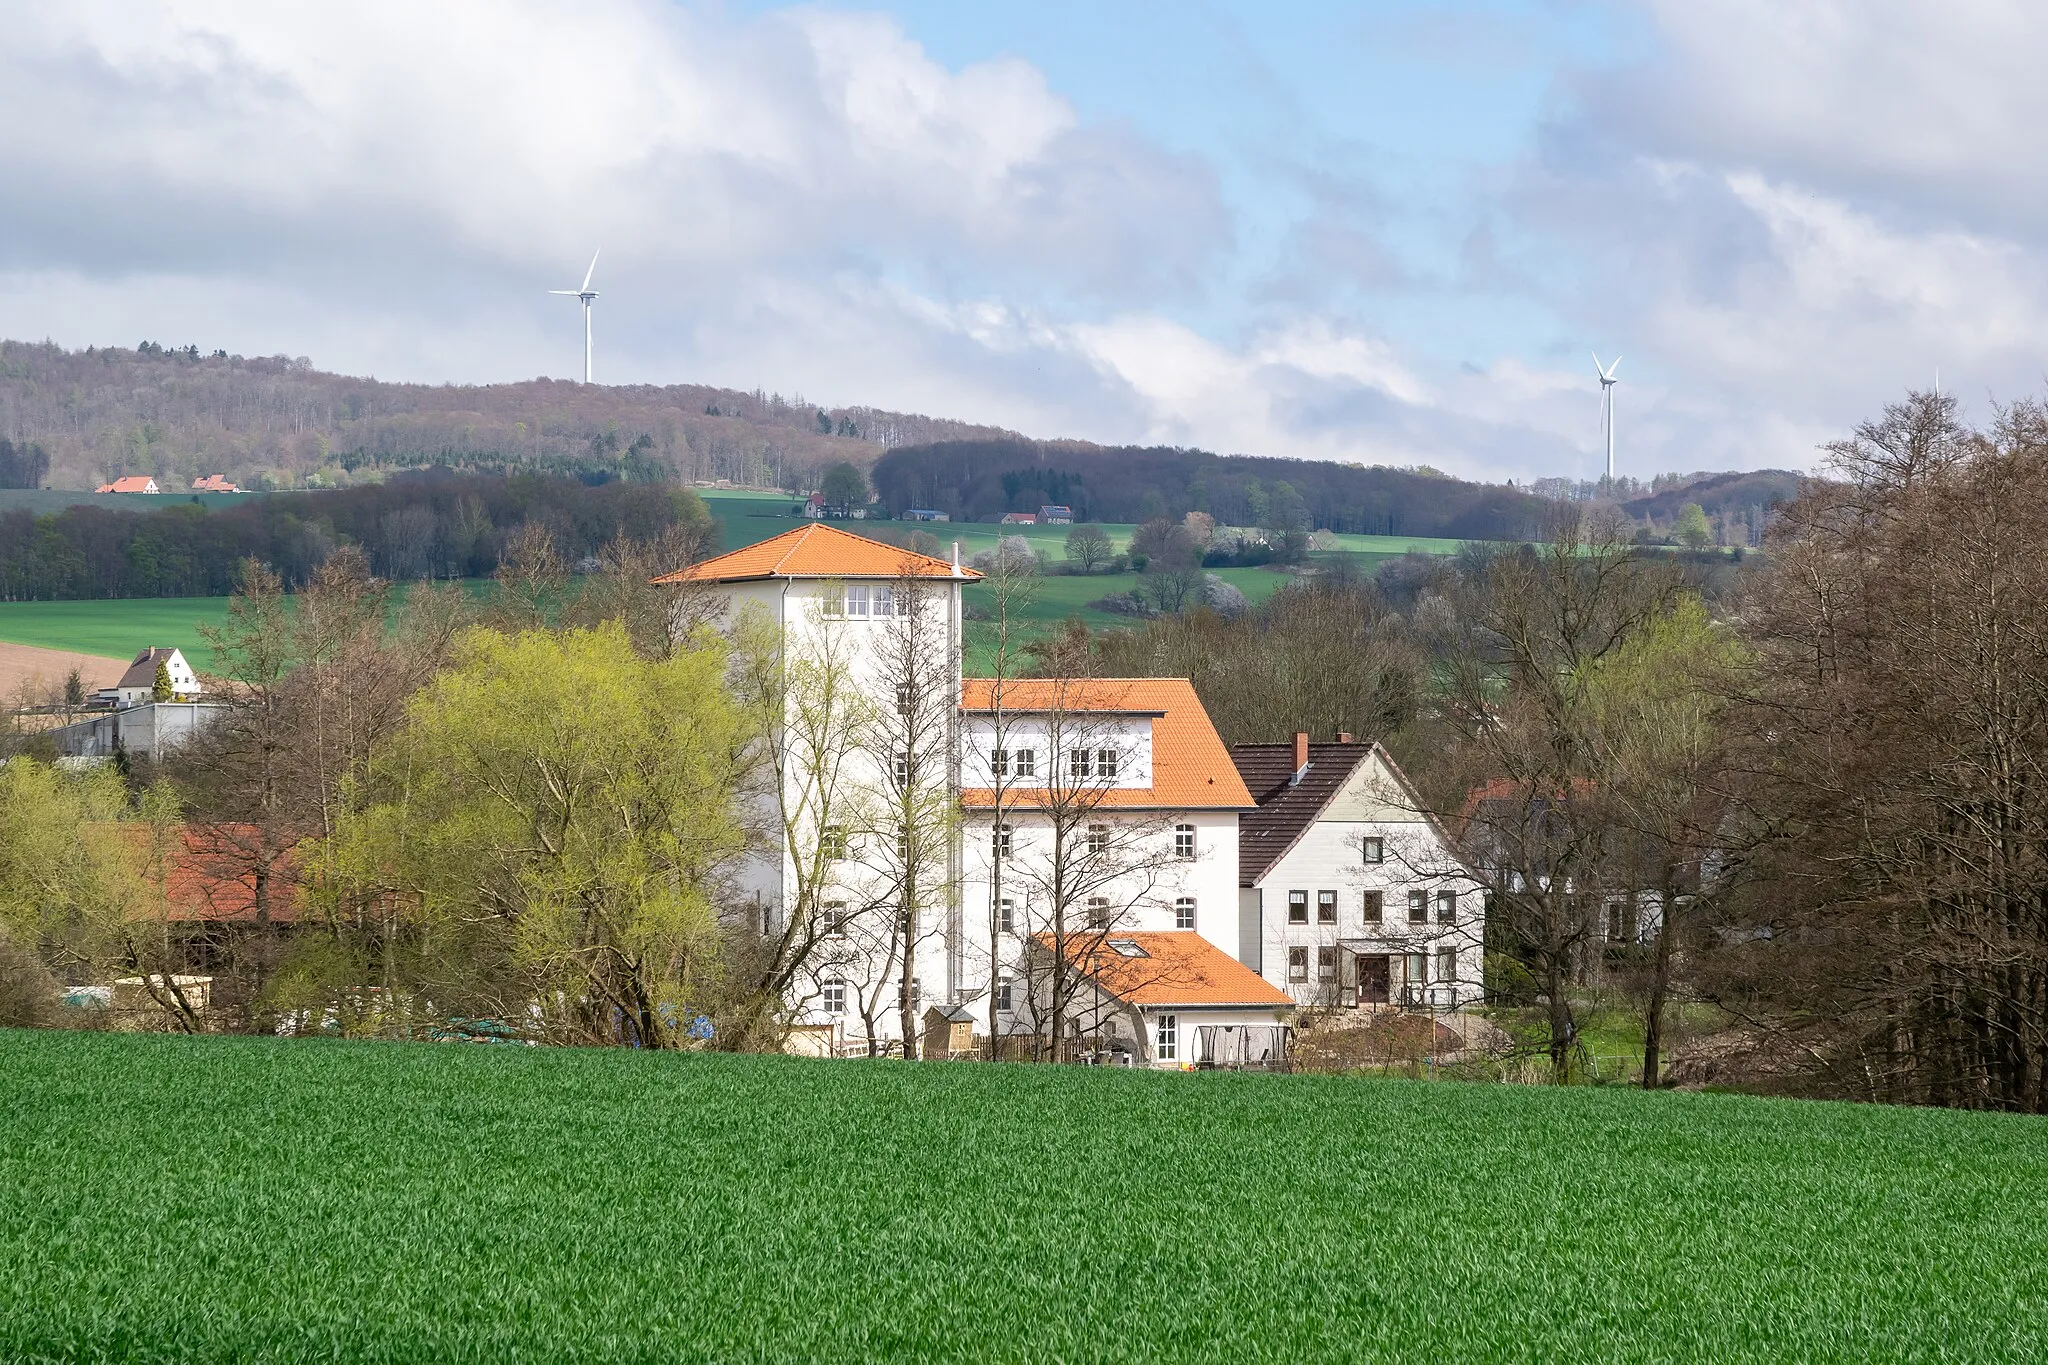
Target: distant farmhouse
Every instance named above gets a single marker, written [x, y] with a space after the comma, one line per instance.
[214, 483]
[1020, 519]
[132, 483]
[1053, 514]
[155, 706]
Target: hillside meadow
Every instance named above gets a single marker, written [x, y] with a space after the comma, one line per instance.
[212, 1199]
[119, 628]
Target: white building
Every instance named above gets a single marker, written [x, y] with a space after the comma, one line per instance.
[138, 684]
[1019, 819]
[1102, 811]
[869, 641]
[1351, 897]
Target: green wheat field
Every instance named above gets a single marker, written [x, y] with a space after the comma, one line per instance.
[212, 1199]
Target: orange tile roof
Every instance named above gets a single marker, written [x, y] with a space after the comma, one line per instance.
[132, 483]
[1190, 767]
[817, 551]
[1179, 968]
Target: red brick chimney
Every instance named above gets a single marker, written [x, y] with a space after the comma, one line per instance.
[1344, 737]
[1300, 750]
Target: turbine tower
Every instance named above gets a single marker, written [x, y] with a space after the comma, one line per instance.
[586, 293]
[1607, 383]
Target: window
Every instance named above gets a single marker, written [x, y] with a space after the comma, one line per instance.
[856, 602]
[1418, 968]
[1375, 848]
[1166, 1037]
[882, 600]
[1184, 842]
[1003, 998]
[1375, 906]
[1098, 912]
[1127, 947]
[1418, 906]
[1184, 913]
[835, 997]
[906, 699]
[1297, 907]
[1446, 907]
[1080, 764]
[1006, 915]
[903, 844]
[835, 919]
[1098, 839]
[1326, 964]
[833, 843]
[999, 762]
[903, 767]
[1105, 763]
[1326, 907]
[1447, 964]
[1297, 964]
[835, 602]
[1026, 761]
[916, 994]
[1002, 841]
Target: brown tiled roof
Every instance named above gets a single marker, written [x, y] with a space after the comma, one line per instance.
[1285, 809]
[142, 671]
[131, 483]
[1179, 968]
[817, 551]
[1191, 769]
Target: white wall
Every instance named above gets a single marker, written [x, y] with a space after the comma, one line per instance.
[1329, 857]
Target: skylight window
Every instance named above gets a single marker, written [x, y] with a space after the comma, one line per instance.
[1124, 947]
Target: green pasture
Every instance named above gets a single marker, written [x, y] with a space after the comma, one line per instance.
[119, 627]
[212, 1199]
[43, 501]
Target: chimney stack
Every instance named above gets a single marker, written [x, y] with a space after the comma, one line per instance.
[1344, 737]
[1300, 750]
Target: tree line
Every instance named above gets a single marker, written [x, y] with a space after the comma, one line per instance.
[983, 479]
[431, 524]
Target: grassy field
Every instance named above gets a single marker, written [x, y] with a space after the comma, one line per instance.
[221, 1199]
[120, 627]
[43, 501]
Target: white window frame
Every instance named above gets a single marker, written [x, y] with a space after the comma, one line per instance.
[1025, 762]
[882, 600]
[1005, 1000]
[1098, 840]
[833, 996]
[1184, 842]
[1080, 765]
[835, 843]
[1166, 1037]
[835, 919]
[1002, 843]
[1184, 912]
[856, 602]
[1100, 916]
[1106, 764]
[1006, 916]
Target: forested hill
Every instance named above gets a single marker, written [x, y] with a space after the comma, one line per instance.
[981, 480]
[279, 422]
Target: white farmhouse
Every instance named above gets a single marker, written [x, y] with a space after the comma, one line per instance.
[1350, 896]
[138, 684]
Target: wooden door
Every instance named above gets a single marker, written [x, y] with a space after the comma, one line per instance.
[1373, 976]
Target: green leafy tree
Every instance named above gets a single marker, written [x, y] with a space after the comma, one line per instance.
[557, 811]
[845, 486]
[1691, 527]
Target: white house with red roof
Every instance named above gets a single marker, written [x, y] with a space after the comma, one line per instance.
[1061, 812]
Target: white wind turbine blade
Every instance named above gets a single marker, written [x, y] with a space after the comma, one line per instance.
[570, 292]
[1612, 368]
[592, 271]
[1596, 364]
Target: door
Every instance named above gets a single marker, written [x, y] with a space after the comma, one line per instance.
[1373, 975]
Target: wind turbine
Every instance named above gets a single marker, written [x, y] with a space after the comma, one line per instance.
[1607, 383]
[586, 293]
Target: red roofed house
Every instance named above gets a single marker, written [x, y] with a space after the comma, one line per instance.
[1119, 810]
[214, 483]
[132, 483]
[1170, 998]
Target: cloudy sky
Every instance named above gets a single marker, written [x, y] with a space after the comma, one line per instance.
[1388, 232]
